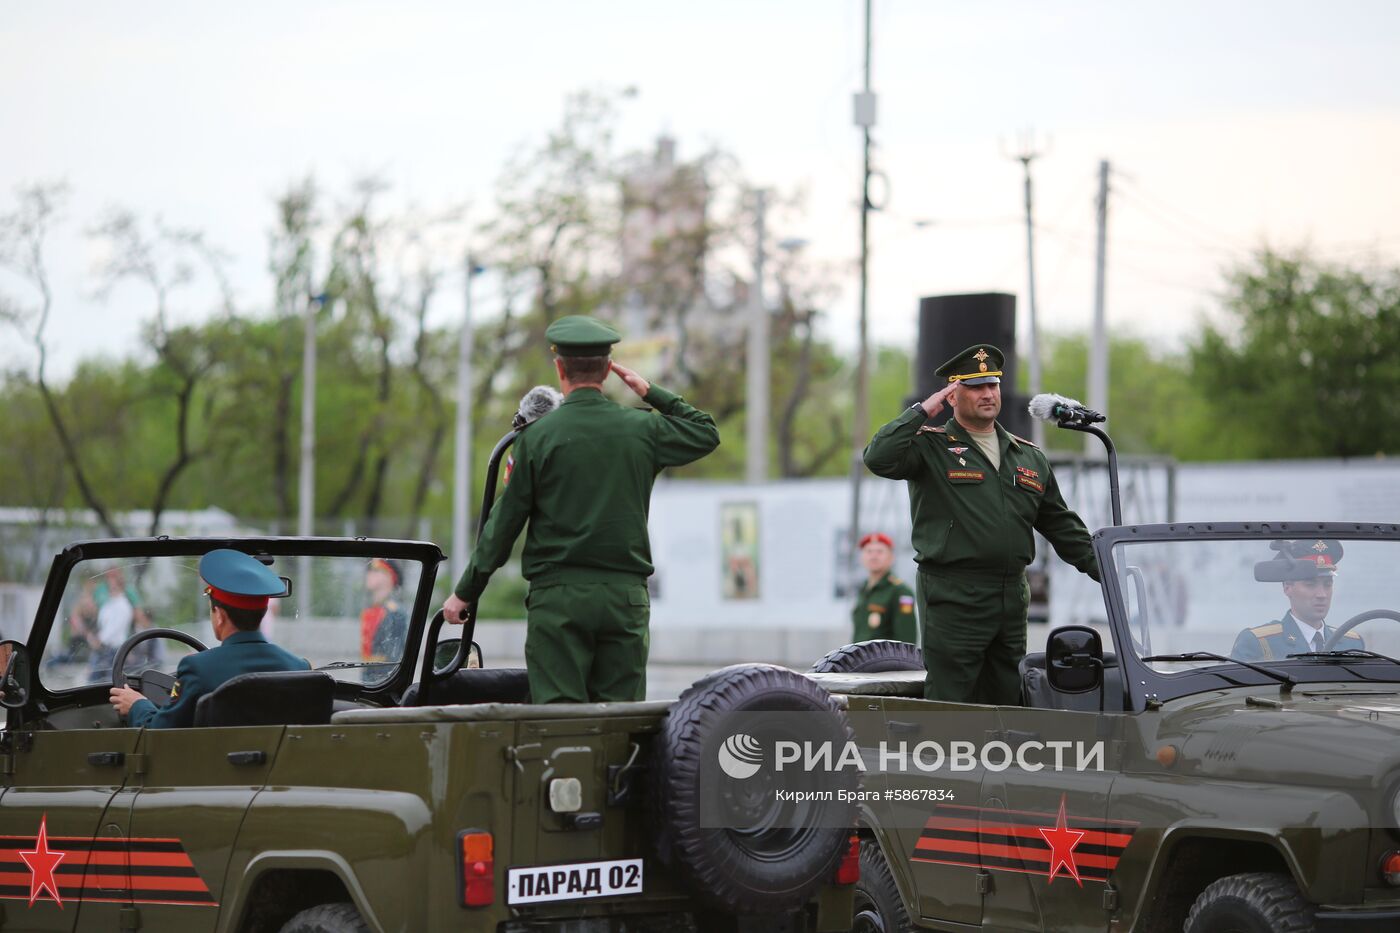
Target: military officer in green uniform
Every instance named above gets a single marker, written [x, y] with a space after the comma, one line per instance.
[239, 588]
[885, 605]
[1303, 627]
[976, 493]
[582, 481]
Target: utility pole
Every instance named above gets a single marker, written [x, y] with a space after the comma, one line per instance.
[306, 487]
[756, 409]
[1098, 354]
[860, 417]
[462, 443]
[1026, 156]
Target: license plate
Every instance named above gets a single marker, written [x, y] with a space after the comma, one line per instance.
[575, 881]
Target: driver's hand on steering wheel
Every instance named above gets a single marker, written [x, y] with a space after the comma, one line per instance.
[454, 609]
[123, 698]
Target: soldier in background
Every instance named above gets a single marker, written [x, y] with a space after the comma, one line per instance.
[885, 605]
[384, 622]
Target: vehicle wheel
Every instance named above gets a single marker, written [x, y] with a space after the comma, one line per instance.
[737, 846]
[1258, 902]
[327, 918]
[871, 657]
[878, 908]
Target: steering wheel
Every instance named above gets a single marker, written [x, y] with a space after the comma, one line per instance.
[1354, 621]
[153, 685]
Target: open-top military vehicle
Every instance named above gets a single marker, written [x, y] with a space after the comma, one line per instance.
[373, 792]
[1216, 771]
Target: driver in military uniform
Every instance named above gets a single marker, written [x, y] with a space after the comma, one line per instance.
[239, 587]
[977, 493]
[1303, 627]
[582, 480]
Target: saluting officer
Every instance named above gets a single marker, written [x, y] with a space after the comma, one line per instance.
[239, 587]
[885, 605]
[582, 481]
[1303, 627]
[976, 492]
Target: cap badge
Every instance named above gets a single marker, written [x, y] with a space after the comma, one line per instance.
[1320, 546]
[981, 357]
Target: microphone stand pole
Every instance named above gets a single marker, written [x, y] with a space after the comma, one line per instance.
[1069, 424]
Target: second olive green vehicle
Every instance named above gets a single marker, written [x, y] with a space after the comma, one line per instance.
[1218, 753]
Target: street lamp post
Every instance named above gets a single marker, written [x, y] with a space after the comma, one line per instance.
[462, 445]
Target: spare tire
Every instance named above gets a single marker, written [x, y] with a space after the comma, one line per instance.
[719, 822]
[871, 657]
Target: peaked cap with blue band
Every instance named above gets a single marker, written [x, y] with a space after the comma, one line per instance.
[231, 573]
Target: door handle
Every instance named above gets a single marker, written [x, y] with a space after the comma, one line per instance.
[106, 759]
[905, 728]
[247, 758]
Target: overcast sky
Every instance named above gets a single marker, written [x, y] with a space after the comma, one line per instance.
[1229, 124]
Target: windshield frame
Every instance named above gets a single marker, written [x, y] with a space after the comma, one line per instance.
[1145, 685]
[429, 555]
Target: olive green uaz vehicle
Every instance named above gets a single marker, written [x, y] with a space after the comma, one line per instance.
[1230, 765]
[350, 797]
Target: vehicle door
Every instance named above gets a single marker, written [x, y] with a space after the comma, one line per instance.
[931, 792]
[192, 793]
[63, 834]
[1044, 829]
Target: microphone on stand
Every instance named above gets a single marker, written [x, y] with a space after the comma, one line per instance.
[538, 402]
[1051, 407]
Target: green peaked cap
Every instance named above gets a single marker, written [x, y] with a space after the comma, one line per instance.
[975, 365]
[577, 335]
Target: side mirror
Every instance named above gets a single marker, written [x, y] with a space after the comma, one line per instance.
[15, 679]
[1074, 659]
[447, 650]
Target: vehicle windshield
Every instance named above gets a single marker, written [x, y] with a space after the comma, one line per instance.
[346, 615]
[1261, 600]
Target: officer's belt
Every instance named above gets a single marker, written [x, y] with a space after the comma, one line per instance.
[556, 575]
[981, 575]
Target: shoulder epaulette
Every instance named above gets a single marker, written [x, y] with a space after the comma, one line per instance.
[932, 429]
[1024, 441]
[1352, 635]
[898, 582]
[1264, 631]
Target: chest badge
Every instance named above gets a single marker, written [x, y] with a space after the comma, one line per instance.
[957, 451]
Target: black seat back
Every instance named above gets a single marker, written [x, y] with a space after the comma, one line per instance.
[269, 698]
[1038, 693]
[474, 685]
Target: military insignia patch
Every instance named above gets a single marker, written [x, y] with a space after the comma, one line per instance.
[906, 604]
[1027, 471]
[874, 620]
[966, 476]
[957, 451]
[931, 429]
[1026, 482]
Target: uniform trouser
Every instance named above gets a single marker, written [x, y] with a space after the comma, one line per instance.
[974, 629]
[587, 642]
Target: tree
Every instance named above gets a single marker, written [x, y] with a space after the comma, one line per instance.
[1305, 363]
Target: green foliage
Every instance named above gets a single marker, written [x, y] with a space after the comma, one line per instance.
[1306, 362]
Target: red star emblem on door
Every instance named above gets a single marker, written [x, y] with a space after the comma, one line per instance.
[42, 861]
[1062, 841]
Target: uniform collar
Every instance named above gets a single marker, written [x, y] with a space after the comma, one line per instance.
[871, 584]
[245, 638]
[584, 393]
[956, 428]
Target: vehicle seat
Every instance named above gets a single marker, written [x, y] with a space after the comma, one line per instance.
[474, 685]
[269, 698]
[1037, 693]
